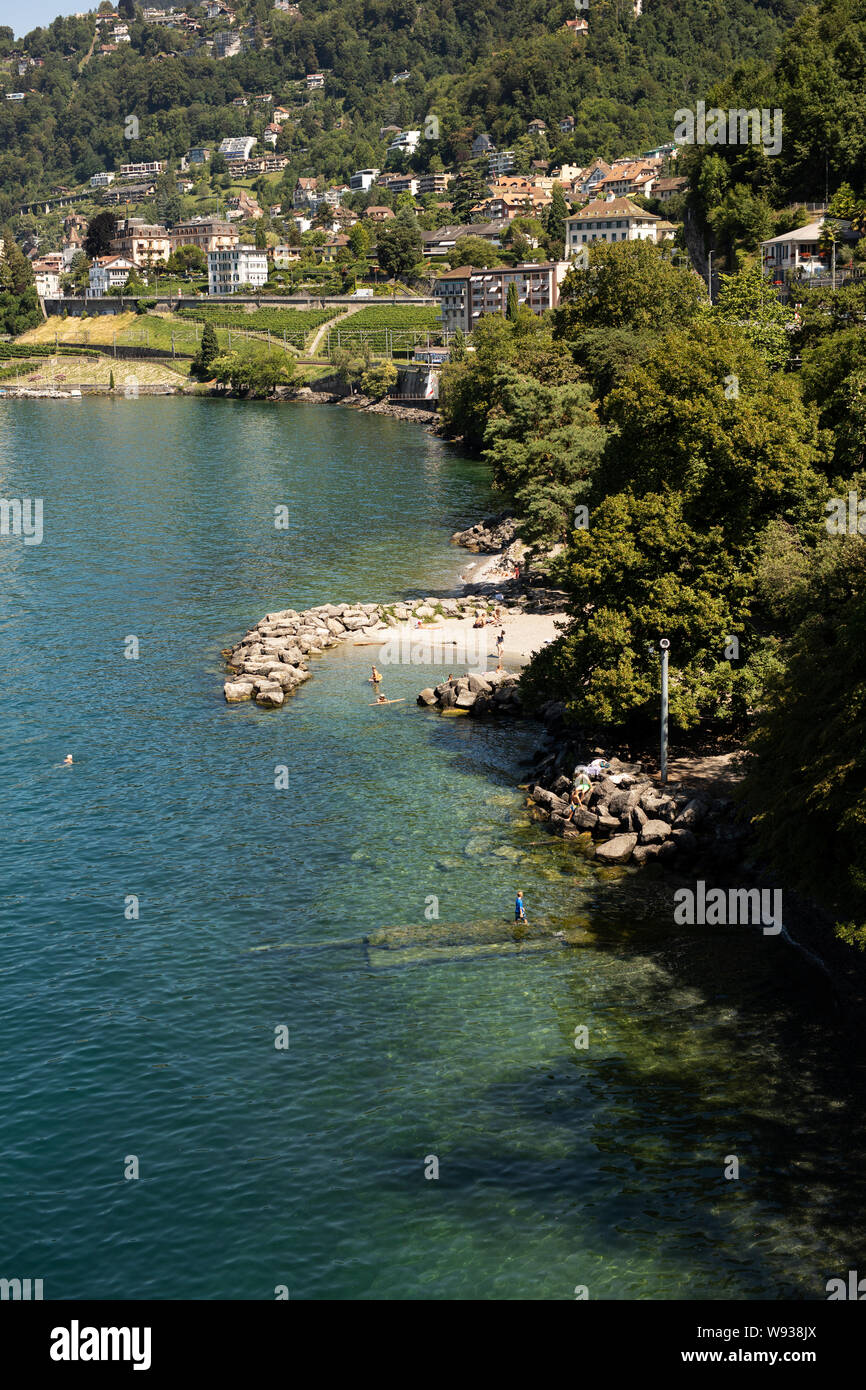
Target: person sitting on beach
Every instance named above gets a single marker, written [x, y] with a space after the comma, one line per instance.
[479, 618]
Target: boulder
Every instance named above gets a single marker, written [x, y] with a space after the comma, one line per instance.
[335, 627]
[271, 696]
[448, 698]
[685, 840]
[692, 814]
[424, 611]
[622, 801]
[638, 818]
[644, 852]
[654, 832]
[608, 825]
[427, 697]
[585, 820]
[479, 685]
[465, 700]
[293, 656]
[616, 851]
[553, 803]
[235, 691]
[286, 677]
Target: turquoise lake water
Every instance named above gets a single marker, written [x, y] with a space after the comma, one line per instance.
[304, 1167]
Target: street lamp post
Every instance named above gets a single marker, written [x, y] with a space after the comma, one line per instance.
[665, 647]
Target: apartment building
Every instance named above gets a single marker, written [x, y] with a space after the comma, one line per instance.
[467, 294]
[108, 273]
[145, 244]
[207, 233]
[235, 267]
[147, 169]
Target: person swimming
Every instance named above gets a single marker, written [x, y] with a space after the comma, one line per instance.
[67, 761]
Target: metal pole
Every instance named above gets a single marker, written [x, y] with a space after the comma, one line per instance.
[665, 645]
[710, 277]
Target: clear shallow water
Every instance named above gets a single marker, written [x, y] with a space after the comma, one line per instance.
[155, 1037]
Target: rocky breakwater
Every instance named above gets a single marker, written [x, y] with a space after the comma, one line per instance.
[627, 818]
[494, 692]
[272, 659]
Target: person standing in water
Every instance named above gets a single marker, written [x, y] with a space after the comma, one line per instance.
[376, 676]
[519, 910]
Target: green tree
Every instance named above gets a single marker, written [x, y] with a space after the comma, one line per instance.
[359, 240]
[511, 303]
[474, 250]
[398, 247]
[208, 350]
[378, 379]
[555, 217]
[750, 302]
[101, 231]
[627, 284]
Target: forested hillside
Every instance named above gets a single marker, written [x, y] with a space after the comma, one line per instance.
[475, 66]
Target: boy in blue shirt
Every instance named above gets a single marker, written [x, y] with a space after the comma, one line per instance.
[519, 913]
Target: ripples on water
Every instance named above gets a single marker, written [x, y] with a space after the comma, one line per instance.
[155, 1036]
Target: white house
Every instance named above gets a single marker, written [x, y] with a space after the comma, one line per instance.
[466, 294]
[795, 251]
[614, 219]
[107, 273]
[234, 267]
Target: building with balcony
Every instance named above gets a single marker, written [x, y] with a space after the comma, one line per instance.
[234, 268]
[467, 294]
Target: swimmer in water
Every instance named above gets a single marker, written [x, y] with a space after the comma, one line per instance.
[376, 676]
[67, 761]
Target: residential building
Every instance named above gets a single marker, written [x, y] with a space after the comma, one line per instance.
[237, 146]
[402, 183]
[577, 26]
[537, 127]
[401, 76]
[207, 233]
[665, 189]
[796, 251]
[145, 244]
[306, 194]
[363, 179]
[592, 177]
[615, 219]
[102, 180]
[433, 183]
[147, 169]
[441, 243]
[199, 154]
[378, 214]
[405, 143]
[108, 273]
[46, 275]
[284, 256]
[315, 81]
[233, 268]
[272, 134]
[467, 294]
[280, 115]
[500, 162]
[129, 193]
[482, 145]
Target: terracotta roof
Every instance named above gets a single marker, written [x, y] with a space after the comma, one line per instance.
[615, 207]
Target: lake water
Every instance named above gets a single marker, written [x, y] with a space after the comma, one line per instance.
[153, 1038]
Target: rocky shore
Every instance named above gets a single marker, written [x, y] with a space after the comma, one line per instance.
[272, 659]
[494, 692]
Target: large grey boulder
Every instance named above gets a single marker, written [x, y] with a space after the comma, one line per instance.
[654, 832]
[479, 685]
[616, 851]
[235, 691]
[335, 627]
[271, 696]
[465, 700]
[427, 697]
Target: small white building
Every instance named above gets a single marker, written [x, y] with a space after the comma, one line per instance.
[232, 268]
[108, 273]
[363, 179]
[102, 180]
